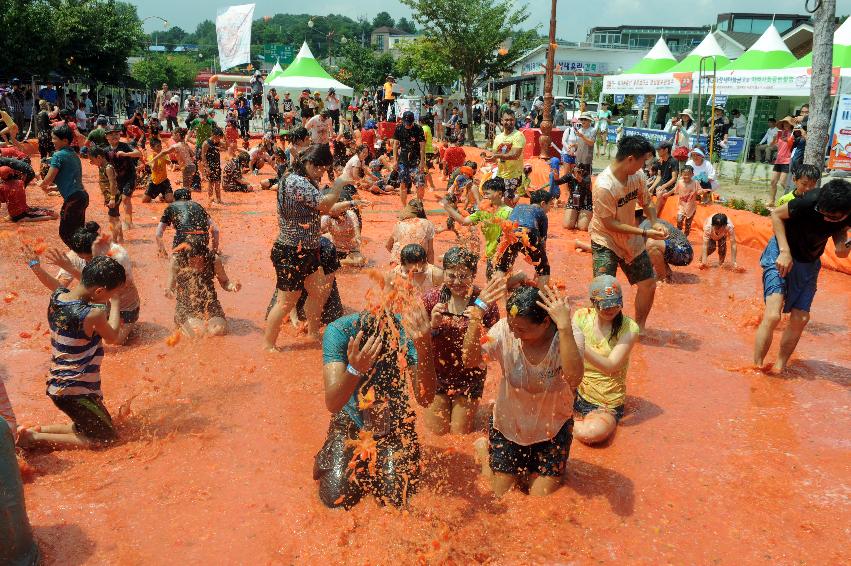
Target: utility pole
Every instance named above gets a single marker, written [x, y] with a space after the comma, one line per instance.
[547, 123]
[818, 124]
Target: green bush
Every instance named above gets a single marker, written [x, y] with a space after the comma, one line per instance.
[759, 207]
[738, 204]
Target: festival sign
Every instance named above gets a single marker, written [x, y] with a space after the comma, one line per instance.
[664, 83]
[233, 32]
[840, 138]
[772, 82]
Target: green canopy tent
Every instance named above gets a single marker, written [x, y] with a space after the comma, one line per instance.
[708, 48]
[769, 52]
[841, 49]
[305, 72]
[658, 60]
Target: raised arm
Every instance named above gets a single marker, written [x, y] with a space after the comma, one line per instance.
[331, 198]
[107, 327]
[558, 308]
[342, 378]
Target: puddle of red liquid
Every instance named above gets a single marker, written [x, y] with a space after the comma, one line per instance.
[712, 463]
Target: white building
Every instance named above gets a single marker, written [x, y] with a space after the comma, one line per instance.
[575, 64]
[388, 39]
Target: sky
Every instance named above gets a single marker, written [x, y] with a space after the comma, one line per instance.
[570, 25]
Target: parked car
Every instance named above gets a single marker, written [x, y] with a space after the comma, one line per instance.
[571, 105]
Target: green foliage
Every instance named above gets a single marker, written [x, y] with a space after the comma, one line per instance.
[383, 19]
[759, 207]
[620, 109]
[364, 65]
[422, 62]
[469, 37]
[405, 24]
[157, 68]
[90, 40]
[738, 204]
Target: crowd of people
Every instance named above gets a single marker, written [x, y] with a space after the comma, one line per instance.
[560, 372]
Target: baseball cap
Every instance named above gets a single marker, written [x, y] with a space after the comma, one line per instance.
[698, 151]
[606, 292]
[408, 117]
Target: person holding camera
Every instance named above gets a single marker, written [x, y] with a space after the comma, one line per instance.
[683, 127]
[784, 142]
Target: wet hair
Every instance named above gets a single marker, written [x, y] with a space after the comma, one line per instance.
[180, 132]
[316, 154]
[524, 302]
[156, 141]
[359, 148]
[299, 134]
[688, 168]
[811, 172]
[413, 253]
[634, 146]
[471, 164]
[540, 197]
[835, 197]
[95, 152]
[508, 112]
[63, 132]
[83, 238]
[583, 168]
[497, 185]
[719, 219]
[460, 257]
[217, 131]
[103, 271]
[182, 194]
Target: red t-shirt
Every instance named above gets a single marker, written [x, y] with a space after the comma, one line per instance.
[448, 346]
[12, 152]
[454, 157]
[13, 194]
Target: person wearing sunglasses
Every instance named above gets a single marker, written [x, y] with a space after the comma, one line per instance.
[791, 262]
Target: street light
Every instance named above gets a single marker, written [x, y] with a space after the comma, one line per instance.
[165, 25]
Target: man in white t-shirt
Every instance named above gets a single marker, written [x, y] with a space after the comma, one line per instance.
[615, 238]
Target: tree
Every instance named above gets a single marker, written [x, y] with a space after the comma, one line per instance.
[97, 38]
[405, 24]
[818, 135]
[178, 71]
[426, 65]
[383, 19]
[366, 67]
[90, 40]
[470, 37]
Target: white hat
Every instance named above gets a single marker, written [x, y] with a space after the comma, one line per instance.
[687, 112]
[698, 151]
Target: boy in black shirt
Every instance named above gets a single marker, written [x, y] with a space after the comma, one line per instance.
[409, 152]
[791, 263]
[122, 156]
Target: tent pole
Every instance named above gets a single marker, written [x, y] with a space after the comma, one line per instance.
[749, 128]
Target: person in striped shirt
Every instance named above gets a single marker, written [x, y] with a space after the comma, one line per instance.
[78, 326]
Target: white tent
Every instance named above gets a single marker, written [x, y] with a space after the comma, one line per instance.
[305, 72]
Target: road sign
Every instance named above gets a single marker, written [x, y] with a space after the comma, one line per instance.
[619, 98]
[278, 52]
[720, 100]
[639, 100]
[662, 100]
